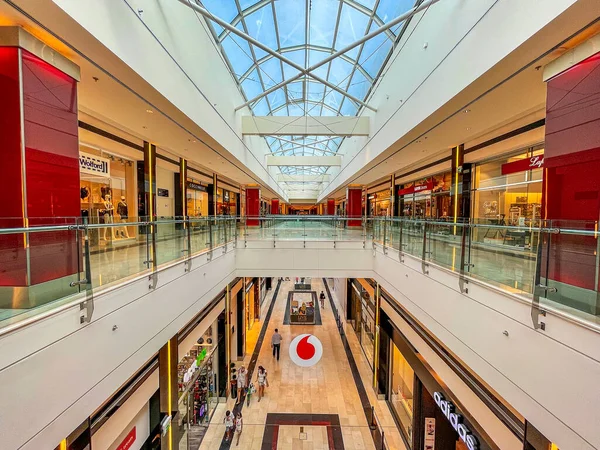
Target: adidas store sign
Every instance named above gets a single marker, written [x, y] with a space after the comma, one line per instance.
[455, 419]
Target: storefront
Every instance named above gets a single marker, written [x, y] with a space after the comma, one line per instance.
[426, 198]
[426, 413]
[508, 190]
[198, 381]
[380, 204]
[107, 194]
[250, 303]
[508, 193]
[197, 198]
[227, 202]
[361, 314]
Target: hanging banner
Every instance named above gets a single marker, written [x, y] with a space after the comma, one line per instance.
[522, 165]
[429, 433]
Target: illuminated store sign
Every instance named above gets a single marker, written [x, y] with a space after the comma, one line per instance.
[196, 186]
[94, 165]
[456, 421]
[522, 165]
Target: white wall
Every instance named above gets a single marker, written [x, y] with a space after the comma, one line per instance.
[74, 368]
[190, 340]
[135, 412]
[165, 179]
[465, 39]
[492, 425]
[172, 49]
[550, 377]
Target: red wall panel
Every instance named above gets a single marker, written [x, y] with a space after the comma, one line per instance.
[354, 206]
[275, 206]
[13, 254]
[330, 207]
[572, 168]
[49, 167]
[252, 206]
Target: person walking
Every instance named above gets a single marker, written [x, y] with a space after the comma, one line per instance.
[242, 376]
[322, 298]
[239, 424]
[228, 425]
[261, 379]
[276, 343]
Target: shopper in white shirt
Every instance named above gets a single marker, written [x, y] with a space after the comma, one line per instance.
[228, 425]
[242, 376]
[239, 424]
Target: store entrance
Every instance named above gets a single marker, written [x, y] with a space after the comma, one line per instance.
[437, 431]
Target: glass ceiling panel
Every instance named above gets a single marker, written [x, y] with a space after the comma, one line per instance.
[282, 26]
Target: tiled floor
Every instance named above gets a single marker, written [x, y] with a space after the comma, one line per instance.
[326, 388]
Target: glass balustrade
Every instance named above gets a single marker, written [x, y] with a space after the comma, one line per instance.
[58, 261]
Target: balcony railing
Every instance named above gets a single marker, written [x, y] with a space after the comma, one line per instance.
[54, 264]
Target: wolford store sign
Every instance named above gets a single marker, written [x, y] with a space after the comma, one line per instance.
[456, 421]
[94, 165]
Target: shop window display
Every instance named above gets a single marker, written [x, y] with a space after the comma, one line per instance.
[427, 198]
[401, 391]
[197, 199]
[106, 194]
[198, 396]
[508, 193]
[380, 203]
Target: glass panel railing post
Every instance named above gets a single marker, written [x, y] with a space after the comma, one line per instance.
[400, 241]
[188, 236]
[384, 234]
[462, 280]
[424, 264]
[224, 225]
[210, 239]
[540, 284]
[86, 308]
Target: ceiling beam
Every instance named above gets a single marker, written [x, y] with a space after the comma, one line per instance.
[305, 126]
[303, 178]
[304, 161]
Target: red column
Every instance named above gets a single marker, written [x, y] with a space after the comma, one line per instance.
[571, 192]
[354, 205]
[252, 206]
[330, 207]
[275, 206]
[40, 173]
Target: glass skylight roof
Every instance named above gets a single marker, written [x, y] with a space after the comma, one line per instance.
[305, 32]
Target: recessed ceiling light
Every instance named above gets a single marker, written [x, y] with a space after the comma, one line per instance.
[467, 111]
[149, 111]
[468, 128]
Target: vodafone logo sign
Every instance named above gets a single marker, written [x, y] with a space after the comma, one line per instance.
[306, 350]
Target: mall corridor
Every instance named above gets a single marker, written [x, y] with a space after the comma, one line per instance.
[325, 399]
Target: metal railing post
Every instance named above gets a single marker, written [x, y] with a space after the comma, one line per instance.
[384, 235]
[462, 279]
[400, 243]
[210, 240]
[424, 264]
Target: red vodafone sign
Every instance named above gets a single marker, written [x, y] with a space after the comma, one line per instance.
[306, 350]
[522, 165]
[128, 441]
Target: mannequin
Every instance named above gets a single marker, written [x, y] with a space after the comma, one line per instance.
[108, 215]
[122, 211]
